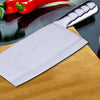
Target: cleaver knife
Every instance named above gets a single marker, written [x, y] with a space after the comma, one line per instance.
[44, 48]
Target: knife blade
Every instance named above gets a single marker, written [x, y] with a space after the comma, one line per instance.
[39, 52]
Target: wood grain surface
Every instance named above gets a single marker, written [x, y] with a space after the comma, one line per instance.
[76, 78]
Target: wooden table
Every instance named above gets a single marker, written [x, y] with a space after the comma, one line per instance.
[76, 78]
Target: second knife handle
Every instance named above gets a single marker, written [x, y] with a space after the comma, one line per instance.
[78, 14]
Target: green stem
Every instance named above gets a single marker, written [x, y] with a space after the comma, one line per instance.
[20, 6]
[0, 12]
[2, 6]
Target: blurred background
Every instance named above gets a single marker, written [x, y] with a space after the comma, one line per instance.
[90, 28]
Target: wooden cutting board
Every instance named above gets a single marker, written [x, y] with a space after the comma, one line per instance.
[76, 78]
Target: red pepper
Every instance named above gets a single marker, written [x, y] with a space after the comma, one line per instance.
[27, 6]
[24, 6]
[9, 6]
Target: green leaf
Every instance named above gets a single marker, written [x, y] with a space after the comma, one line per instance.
[0, 12]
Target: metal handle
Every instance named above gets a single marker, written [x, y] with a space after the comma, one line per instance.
[78, 14]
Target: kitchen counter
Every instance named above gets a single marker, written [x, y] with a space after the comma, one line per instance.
[75, 78]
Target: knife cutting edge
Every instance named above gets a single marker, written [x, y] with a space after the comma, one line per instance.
[41, 50]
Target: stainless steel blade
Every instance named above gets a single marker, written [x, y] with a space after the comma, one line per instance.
[37, 53]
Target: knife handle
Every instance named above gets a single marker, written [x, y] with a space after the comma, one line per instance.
[78, 14]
